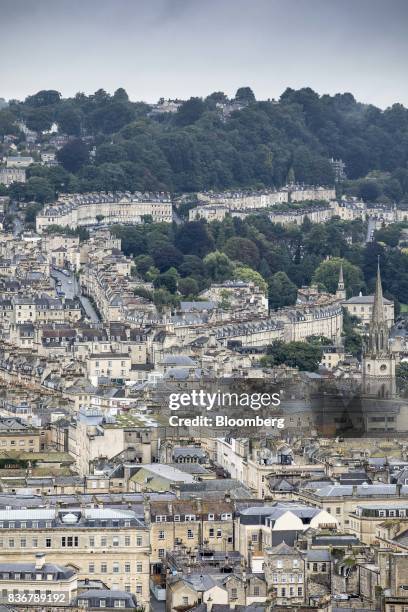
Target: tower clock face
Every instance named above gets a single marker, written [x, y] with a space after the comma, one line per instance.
[383, 368]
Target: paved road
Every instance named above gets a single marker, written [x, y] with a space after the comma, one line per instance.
[71, 288]
[370, 229]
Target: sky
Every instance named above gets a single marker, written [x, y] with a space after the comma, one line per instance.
[184, 48]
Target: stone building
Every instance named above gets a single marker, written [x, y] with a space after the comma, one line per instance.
[285, 573]
[108, 544]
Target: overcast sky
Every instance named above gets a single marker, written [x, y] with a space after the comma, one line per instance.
[183, 48]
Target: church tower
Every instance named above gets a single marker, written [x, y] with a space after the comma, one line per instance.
[341, 291]
[378, 362]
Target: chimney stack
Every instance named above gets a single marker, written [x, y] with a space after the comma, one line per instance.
[39, 561]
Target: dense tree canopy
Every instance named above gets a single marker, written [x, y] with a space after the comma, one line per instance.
[264, 144]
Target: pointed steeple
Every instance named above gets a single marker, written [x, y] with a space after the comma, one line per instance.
[341, 291]
[378, 315]
[379, 332]
[341, 280]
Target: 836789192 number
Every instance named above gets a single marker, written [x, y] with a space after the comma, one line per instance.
[24, 597]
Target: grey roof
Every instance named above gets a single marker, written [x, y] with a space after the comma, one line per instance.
[95, 595]
[360, 491]
[189, 451]
[318, 555]
[189, 306]
[177, 360]
[365, 299]
[57, 571]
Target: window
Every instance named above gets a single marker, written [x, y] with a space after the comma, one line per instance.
[291, 591]
[226, 516]
[102, 603]
[190, 534]
[139, 567]
[176, 518]
[234, 593]
[279, 563]
[338, 510]
[127, 540]
[185, 601]
[119, 603]
[115, 568]
[139, 540]
[211, 532]
[161, 553]
[91, 568]
[300, 591]
[283, 592]
[162, 535]
[315, 567]
[92, 541]
[69, 541]
[104, 568]
[127, 568]
[48, 542]
[35, 543]
[11, 543]
[254, 537]
[323, 567]
[283, 578]
[161, 519]
[210, 517]
[295, 562]
[190, 517]
[23, 542]
[115, 541]
[104, 541]
[139, 589]
[219, 533]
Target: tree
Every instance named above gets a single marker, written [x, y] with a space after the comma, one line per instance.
[121, 95]
[243, 250]
[190, 111]
[45, 97]
[195, 238]
[31, 212]
[301, 355]
[352, 338]
[40, 119]
[39, 190]
[69, 121]
[248, 275]
[282, 292]
[245, 95]
[188, 286]
[218, 266]
[369, 191]
[327, 274]
[402, 376]
[143, 263]
[167, 257]
[74, 155]
[168, 280]
[192, 266]
[389, 234]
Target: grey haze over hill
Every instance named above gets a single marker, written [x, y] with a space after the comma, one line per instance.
[182, 48]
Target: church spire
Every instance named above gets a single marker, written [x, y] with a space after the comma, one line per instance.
[341, 279]
[378, 315]
[341, 292]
